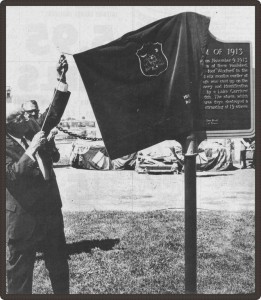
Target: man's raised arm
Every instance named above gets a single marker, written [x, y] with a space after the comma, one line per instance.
[60, 100]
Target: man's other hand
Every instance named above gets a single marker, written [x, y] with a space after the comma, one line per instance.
[37, 142]
[62, 68]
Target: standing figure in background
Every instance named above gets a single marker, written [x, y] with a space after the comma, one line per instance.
[179, 158]
[253, 148]
[243, 147]
[252, 151]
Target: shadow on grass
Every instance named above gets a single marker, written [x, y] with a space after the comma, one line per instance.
[86, 246]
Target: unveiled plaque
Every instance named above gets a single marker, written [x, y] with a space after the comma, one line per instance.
[227, 101]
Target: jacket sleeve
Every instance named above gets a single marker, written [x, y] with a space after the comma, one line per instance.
[24, 166]
[56, 111]
[54, 152]
[55, 155]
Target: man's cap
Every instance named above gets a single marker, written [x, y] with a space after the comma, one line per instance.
[12, 111]
[30, 105]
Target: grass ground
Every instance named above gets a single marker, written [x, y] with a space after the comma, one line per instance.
[143, 253]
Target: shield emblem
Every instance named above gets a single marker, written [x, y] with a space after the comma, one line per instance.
[152, 60]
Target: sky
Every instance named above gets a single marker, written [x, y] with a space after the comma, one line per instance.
[36, 34]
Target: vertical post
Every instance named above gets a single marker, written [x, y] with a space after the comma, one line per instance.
[190, 216]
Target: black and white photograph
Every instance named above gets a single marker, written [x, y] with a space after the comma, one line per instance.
[130, 150]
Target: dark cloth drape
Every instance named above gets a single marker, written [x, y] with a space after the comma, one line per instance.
[144, 87]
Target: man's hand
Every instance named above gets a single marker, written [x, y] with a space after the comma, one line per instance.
[62, 68]
[37, 142]
[52, 134]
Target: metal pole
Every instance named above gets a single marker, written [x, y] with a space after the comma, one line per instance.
[190, 216]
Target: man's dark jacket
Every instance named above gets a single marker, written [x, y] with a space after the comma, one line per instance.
[28, 195]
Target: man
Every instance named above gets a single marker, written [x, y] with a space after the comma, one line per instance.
[243, 147]
[31, 110]
[33, 204]
[179, 158]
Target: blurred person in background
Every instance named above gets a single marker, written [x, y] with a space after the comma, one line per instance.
[243, 147]
[31, 110]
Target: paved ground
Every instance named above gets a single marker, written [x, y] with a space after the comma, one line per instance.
[85, 190]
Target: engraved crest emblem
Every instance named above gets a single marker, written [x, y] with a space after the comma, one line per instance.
[152, 60]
